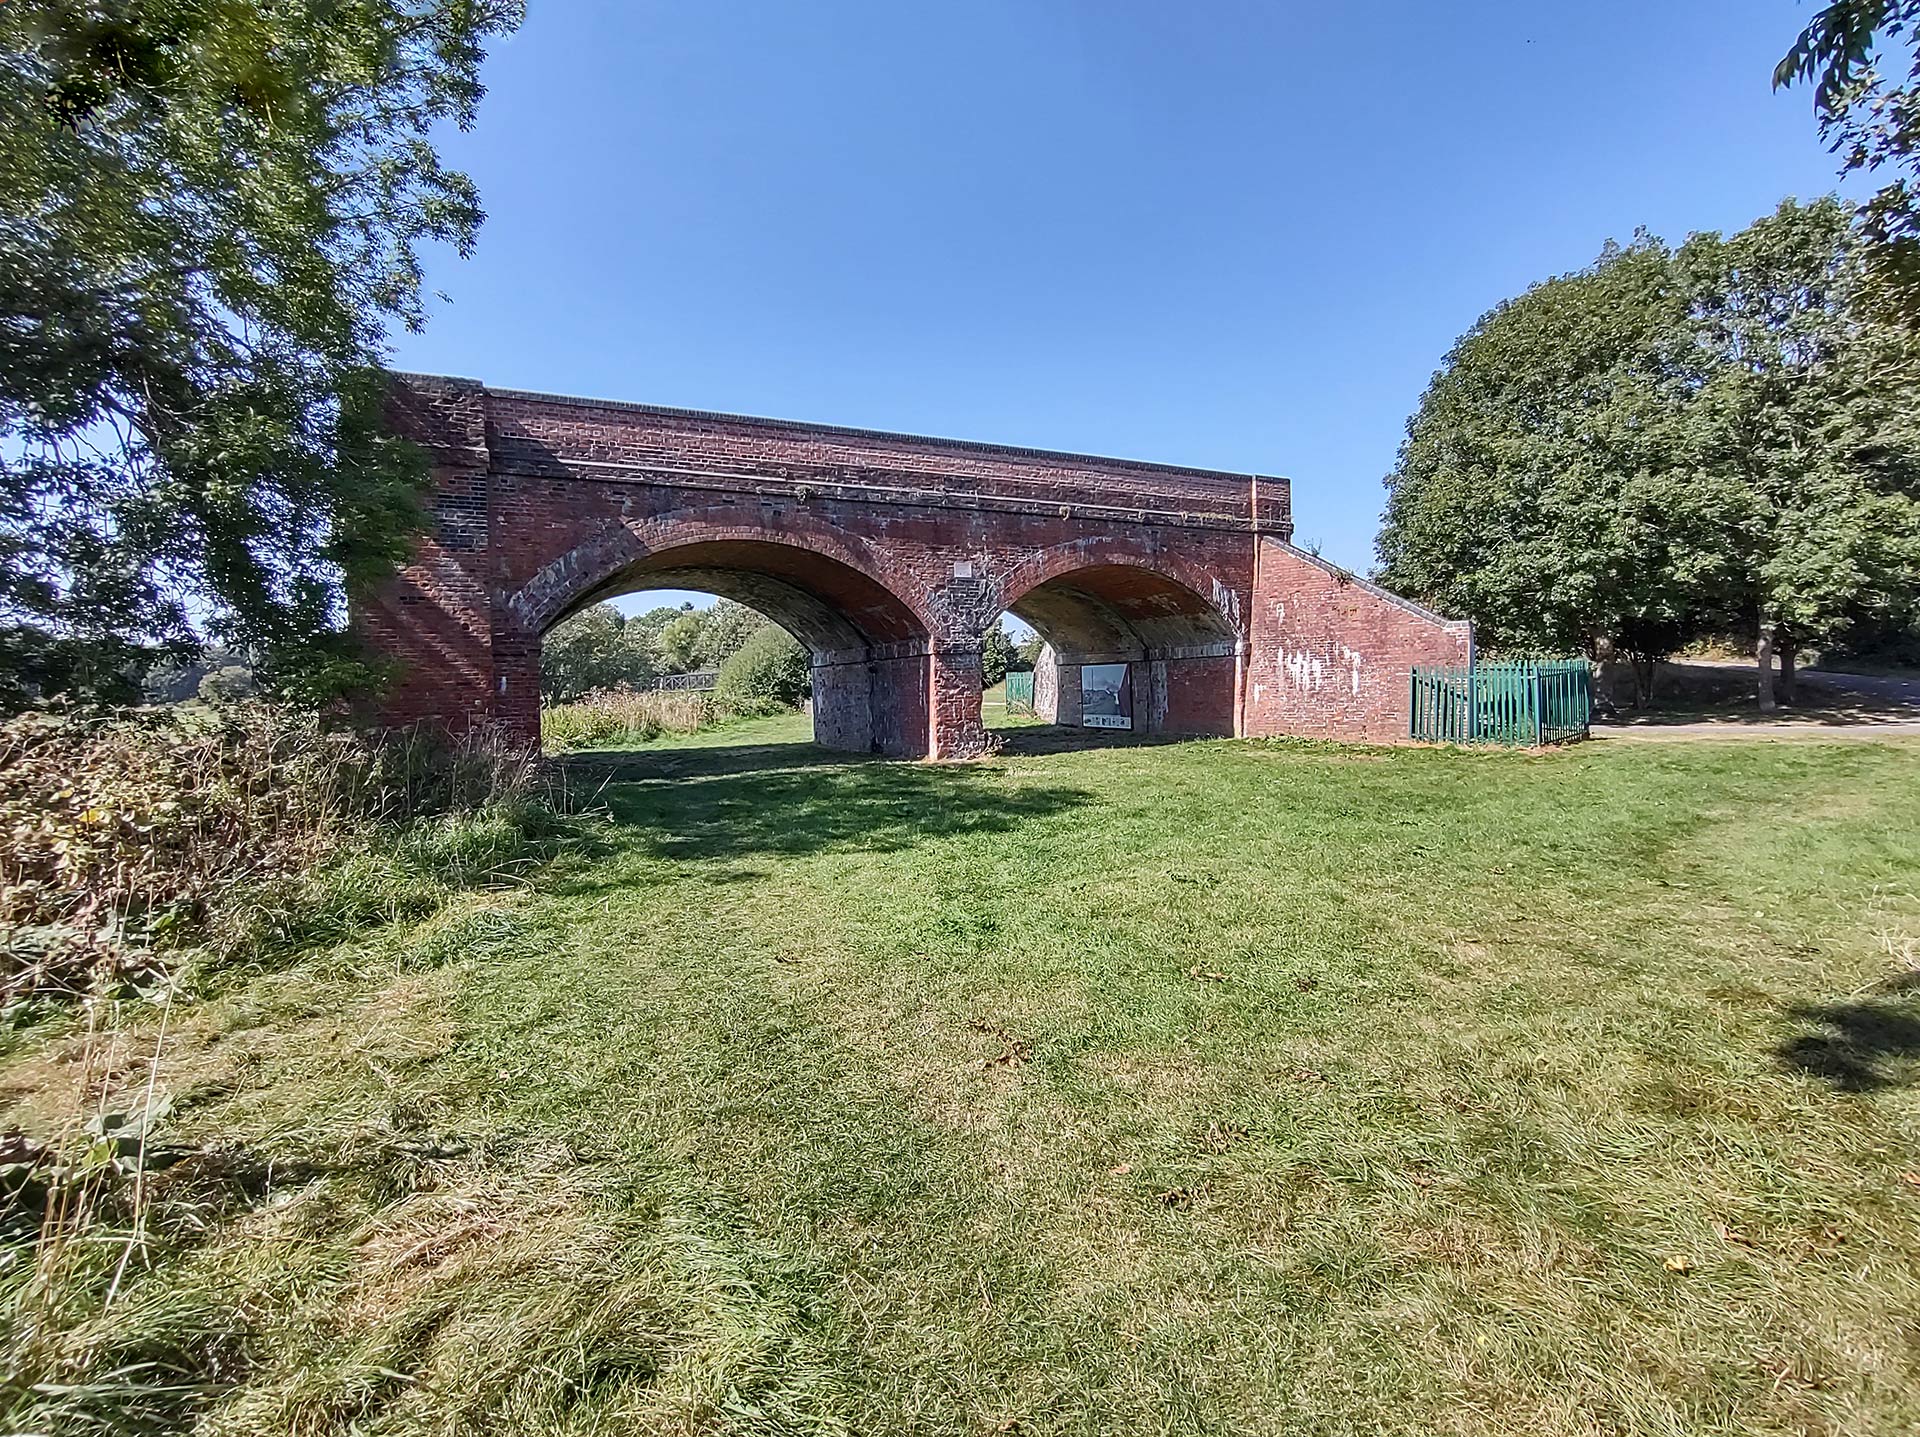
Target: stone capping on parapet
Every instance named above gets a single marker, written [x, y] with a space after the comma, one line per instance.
[1347, 576]
[1224, 477]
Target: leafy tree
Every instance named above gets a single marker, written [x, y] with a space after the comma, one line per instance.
[771, 670]
[728, 627]
[1542, 489]
[211, 213]
[595, 649]
[678, 644]
[1862, 58]
[1027, 653]
[1808, 407]
[996, 656]
[1670, 445]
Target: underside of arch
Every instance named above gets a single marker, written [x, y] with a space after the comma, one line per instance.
[1182, 654]
[869, 649]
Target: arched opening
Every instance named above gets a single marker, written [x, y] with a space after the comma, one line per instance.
[867, 651]
[1128, 649]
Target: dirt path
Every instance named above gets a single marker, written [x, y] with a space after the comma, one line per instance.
[1831, 706]
[1871, 729]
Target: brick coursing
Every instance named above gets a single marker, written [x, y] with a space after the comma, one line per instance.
[1330, 654]
[888, 555]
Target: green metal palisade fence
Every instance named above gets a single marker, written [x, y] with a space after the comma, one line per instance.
[1020, 692]
[1522, 704]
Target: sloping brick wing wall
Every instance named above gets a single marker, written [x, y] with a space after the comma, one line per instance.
[888, 556]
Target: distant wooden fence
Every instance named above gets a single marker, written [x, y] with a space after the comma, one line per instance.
[1020, 692]
[698, 681]
[1519, 704]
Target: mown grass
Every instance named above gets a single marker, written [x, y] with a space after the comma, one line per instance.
[1214, 1087]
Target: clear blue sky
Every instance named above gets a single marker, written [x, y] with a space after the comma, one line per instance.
[1232, 234]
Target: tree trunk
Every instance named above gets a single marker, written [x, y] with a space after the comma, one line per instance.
[1763, 656]
[1789, 668]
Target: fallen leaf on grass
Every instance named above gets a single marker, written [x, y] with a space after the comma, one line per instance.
[1221, 1137]
[1012, 1056]
[1677, 1263]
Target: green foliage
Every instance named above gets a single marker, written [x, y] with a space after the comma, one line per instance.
[598, 648]
[211, 213]
[771, 670]
[996, 656]
[678, 643]
[1869, 113]
[1810, 408]
[1669, 445]
[1027, 652]
[727, 629]
[131, 841]
[595, 649]
[228, 684]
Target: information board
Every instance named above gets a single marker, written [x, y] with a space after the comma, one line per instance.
[1106, 696]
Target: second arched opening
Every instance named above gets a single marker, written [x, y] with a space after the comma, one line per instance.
[1128, 649]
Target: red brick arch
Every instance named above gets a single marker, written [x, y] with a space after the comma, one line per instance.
[1188, 572]
[898, 548]
[1173, 619]
[584, 571]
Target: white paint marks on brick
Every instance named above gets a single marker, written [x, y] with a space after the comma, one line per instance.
[1303, 670]
[1353, 660]
[1227, 601]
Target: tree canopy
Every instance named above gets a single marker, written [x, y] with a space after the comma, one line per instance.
[1670, 444]
[1867, 97]
[600, 648]
[211, 215]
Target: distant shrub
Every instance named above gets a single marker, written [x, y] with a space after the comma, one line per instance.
[226, 685]
[771, 671]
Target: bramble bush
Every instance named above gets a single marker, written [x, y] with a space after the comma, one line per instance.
[134, 844]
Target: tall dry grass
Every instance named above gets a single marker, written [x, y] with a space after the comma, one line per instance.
[615, 716]
[128, 838]
[140, 851]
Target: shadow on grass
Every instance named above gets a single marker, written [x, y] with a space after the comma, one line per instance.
[1857, 1047]
[1722, 693]
[790, 799]
[1030, 740]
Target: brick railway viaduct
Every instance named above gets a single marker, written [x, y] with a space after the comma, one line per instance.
[888, 556]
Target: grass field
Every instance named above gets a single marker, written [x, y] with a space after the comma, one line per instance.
[1213, 1087]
